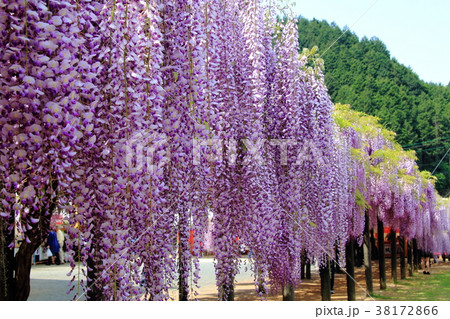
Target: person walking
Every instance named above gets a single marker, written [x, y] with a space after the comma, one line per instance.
[60, 237]
[52, 243]
[426, 263]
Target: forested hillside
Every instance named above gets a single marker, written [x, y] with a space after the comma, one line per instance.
[362, 73]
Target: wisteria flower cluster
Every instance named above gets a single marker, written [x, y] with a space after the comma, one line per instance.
[392, 189]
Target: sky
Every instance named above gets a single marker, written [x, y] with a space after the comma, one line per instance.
[416, 32]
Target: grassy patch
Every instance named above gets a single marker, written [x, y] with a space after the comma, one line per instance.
[381, 297]
[421, 287]
[437, 288]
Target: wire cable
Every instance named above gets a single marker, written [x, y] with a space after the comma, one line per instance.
[440, 161]
[418, 144]
[427, 149]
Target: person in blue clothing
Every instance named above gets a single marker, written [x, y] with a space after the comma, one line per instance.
[52, 244]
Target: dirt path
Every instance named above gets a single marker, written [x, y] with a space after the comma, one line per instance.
[419, 287]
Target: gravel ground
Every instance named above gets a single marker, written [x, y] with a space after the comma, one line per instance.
[50, 282]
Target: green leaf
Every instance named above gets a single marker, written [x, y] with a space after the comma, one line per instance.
[360, 200]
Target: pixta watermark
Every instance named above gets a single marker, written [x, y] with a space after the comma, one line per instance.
[151, 151]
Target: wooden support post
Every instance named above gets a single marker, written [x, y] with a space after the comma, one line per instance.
[325, 289]
[402, 258]
[415, 255]
[393, 237]
[303, 264]
[368, 257]
[410, 258]
[381, 256]
[350, 269]
[308, 269]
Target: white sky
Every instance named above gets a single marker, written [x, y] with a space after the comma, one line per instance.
[416, 32]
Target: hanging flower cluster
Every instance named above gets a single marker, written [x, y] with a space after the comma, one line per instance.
[43, 123]
[349, 188]
[141, 192]
[395, 192]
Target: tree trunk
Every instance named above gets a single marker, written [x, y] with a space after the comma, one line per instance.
[325, 289]
[410, 258]
[182, 291]
[359, 256]
[368, 258]
[227, 297]
[308, 269]
[381, 257]
[7, 262]
[393, 255]
[288, 292]
[337, 267]
[415, 255]
[402, 258]
[23, 261]
[183, 270]
[303, 263]
[350, 269]
[15, 276]
[373, 246]
[94, 293]
[230, 296]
